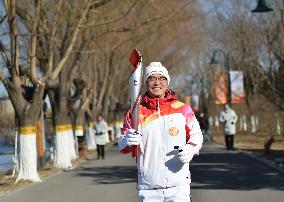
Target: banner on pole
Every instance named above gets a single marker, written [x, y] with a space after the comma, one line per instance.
[221, 88]
[237, 87]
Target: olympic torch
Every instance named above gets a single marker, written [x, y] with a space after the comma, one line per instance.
[135, 82]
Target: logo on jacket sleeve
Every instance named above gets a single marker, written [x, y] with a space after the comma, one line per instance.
[173, 131]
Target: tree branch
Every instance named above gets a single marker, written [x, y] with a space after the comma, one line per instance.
[72, 43]
[2, 76]
[33, 58]
[10, 7]
[51, 40]
[116, 20]
[5, 56]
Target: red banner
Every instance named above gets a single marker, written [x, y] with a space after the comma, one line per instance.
[221, 88]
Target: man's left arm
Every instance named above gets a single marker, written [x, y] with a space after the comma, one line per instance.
[194, 137]
[195, 134]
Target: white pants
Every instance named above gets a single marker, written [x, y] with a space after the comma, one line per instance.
[173, 194]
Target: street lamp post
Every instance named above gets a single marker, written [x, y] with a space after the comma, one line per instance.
[262, 7]
[227, 67]
[202, 102]
[202, 97]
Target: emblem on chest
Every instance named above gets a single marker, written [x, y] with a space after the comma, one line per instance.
[173, 131]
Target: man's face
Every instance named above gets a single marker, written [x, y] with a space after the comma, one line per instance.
[157, 85]
[226, 106]
[99, 118]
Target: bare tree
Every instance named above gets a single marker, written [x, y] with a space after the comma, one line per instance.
[26, 97]
[158, 32]
[28, 77]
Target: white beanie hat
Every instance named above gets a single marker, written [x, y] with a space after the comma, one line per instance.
[156, 68]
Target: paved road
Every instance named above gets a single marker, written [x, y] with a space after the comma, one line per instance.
[109, 180]
[221, 176]
[218, 176]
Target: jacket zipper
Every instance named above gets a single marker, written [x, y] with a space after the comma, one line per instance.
[158, 107]
[162, 122]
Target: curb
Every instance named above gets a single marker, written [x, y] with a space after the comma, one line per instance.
[270, 163]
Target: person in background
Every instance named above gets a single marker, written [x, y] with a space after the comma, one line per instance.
[101, 131]
[167, 139]
[204, 126]
[228, 118]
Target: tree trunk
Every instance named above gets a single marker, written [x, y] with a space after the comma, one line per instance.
[65, 143]
[91, 140]
[27, 114]
[40, 141]
[28, 152]
[79, 132]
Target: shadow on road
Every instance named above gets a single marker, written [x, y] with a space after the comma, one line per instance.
[233, 171]
[110, 174]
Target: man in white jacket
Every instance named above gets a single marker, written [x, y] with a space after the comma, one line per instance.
[168, 137]
[101, 132]
[229, 119]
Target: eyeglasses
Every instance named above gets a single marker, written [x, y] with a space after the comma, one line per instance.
[152, 79]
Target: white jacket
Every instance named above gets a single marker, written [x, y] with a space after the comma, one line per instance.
[101, 132]
[164, 123]
[229, 119]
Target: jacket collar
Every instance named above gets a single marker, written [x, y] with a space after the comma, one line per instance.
[152, 103]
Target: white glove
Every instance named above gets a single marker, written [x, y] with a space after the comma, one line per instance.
[186, 153]
[132, 137]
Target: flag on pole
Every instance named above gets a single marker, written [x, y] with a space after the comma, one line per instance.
[221, 88]
[237, 87]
